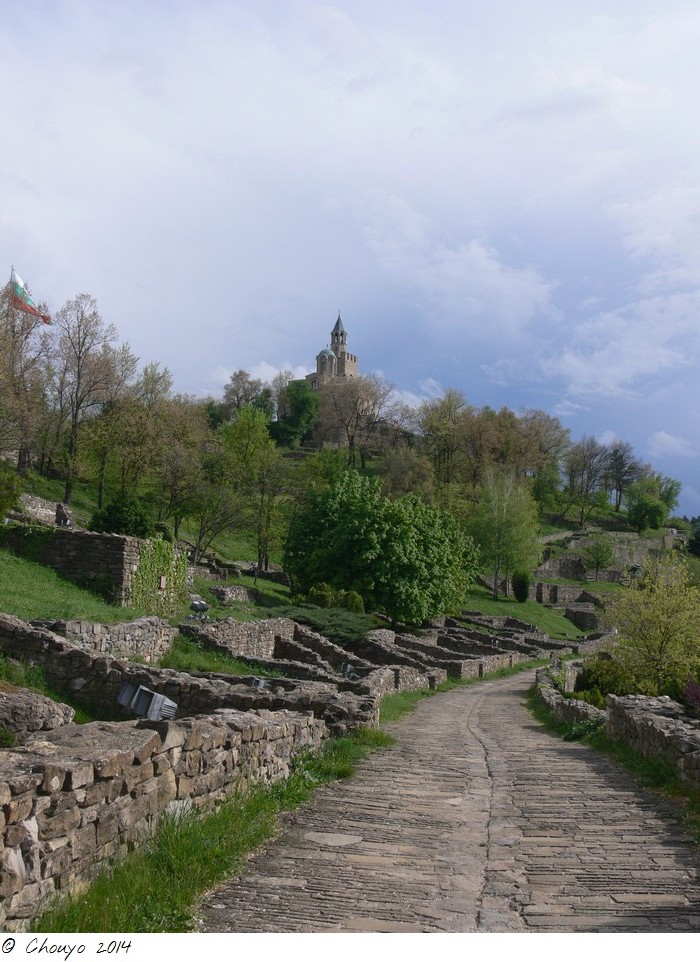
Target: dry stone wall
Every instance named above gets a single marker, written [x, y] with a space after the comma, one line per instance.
[107, 562]
[147, 638]
[97, 680]
[657, 728]
[254, 639]
[84, 794]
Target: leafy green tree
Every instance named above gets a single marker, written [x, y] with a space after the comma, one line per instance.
[599, 555]
[297, 408]
[505, 527]
[124, 515]
[650, 501]
[658, 622]
[402, 557]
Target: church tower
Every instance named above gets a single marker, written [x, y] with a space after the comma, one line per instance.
[334, 361]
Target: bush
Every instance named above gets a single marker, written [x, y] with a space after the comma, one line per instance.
[10, 488]
[606, 676]
[350, 601]
[123, 515]
[521, 586]
[323, 596]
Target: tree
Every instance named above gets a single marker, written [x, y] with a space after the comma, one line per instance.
[505, 527]
[599, 555]
[297, 408]
[241, 390]
[85, 368]
[438, 423]
[623, 469]
[584, 469]
[650, 500]
[658, 621]
[403, 557]
[351, 409]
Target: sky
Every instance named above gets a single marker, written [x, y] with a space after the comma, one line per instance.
[500, 198]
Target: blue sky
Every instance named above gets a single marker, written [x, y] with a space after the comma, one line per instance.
[499, 198]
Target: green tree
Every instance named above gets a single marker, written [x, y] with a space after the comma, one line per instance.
[505, 527]
[650, 501]
[297, 407]
[599, 555]
[403, 557]
[658, 621]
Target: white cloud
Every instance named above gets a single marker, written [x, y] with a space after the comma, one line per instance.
[661, 444]
[457, 282]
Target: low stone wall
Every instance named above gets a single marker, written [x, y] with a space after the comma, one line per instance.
[657, 728]
[106, 562]
[228, 593]
[567, 710]
[255, 639]
[97, 680]
[144, 638]
[86, 794]
[653, 727]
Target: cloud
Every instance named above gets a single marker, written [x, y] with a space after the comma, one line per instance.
[457, 282]
[661, 445]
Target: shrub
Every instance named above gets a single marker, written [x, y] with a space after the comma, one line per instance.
[350, 601]
[521, 585]
[9, 491]
[606, 676]
[123, 515]
[323, 596]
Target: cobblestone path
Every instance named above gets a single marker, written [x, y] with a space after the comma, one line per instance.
[476, 821]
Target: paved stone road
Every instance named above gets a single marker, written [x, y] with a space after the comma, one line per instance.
[476, 821]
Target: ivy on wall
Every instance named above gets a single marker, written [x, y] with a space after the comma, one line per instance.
[160, 581]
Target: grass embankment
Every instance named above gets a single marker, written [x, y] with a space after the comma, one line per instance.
[29, 591]
[653, 774]
[555, 625]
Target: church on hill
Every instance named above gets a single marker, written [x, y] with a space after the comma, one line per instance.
[333, 361]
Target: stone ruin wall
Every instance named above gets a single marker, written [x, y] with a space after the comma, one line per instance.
[253, 639]
[80, 555]
[85, 794]
[96, 680]
[657, 728]
[147, 638]
[653, 727]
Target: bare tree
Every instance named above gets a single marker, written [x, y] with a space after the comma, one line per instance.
[352, 409]
[86, 362]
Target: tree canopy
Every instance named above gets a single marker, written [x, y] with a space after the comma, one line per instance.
[403, 557]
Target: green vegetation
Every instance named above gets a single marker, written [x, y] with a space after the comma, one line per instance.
[18, 674]
[556, 626]
[30, 591]
[186, 655]
[659, 627]
[402, 557]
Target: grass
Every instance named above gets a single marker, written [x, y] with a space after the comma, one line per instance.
[653, 774]
[186, 655]
[555, 625]
[17, 674]
[29, 591]
[155, 888]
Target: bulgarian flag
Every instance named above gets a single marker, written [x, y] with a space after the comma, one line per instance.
[21, 299]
